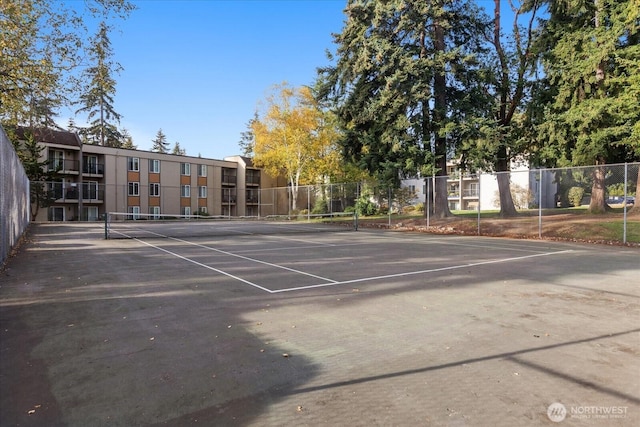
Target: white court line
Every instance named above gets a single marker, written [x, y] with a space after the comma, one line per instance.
[452, 241]
[331, 282]
[282, 267]
[206, 266]
[411, 273]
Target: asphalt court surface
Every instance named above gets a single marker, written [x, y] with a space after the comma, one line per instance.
[357, 328]
[287, 263]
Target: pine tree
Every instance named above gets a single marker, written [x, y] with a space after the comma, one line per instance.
[127, 140]
[393, 87]
[97, 101]
[247, 138]
[38, 172]
[43, 44]
[160, 144]
[178, 151]
[591, 57]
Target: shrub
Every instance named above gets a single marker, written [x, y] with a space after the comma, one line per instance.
[420, 207]
[320, 207]
[365, 206]
[575, 195]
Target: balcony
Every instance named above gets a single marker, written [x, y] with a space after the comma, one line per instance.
[229, 180]
[90, 193]
[252, 199]
[470, 192]
[253, 179]
[93, 169]
[63, 166]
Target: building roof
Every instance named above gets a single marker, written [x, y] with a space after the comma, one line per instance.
[61, 137]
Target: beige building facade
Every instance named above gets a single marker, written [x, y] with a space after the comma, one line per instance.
[92, 180]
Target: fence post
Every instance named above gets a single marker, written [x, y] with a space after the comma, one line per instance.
[479, 199]
[540, 187]
[308, 203]
[624, 207]
[389, 207]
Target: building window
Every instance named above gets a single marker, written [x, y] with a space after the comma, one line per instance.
[186, 210]
[202, 210]
[90, 165]
[202, 170]
[228, 176]
[90, 213]
[56, 160]
[154, 166]
[90, 190]
[154, 211]
[185, 191]
[185, 168]
[134, 189]
[134, 211]
[154, 189]
[202, 192]
[253, 177]
[133, 164]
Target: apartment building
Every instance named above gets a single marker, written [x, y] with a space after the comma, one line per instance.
[92, 180]
[466, 190]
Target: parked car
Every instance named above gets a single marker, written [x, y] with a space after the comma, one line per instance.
[619, 200]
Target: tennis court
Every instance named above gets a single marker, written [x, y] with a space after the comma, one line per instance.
[367, 327]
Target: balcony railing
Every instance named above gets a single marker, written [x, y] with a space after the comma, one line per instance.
[93, 168]
[229, 179]
[253, 179]
[90, 193]
[470, 192]
[63, 165]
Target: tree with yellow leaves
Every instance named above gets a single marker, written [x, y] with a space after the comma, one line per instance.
[295, 138]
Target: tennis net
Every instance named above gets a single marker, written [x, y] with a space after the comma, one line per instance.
[120, 225]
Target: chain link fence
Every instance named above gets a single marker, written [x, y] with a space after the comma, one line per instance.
[14, 197]
[536, 203]
[594, 203]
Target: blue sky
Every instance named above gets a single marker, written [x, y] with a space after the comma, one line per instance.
[198, 69]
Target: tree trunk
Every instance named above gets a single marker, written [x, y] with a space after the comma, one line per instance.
[635, 210]
[598, 203]
[507, 207]
[441, 205]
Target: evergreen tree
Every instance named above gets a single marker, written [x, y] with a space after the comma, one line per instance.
[160, 144]
[178, 151]
[248, 138]
[127, 140]
[394, 87]
[43, 44]
[38, 172]
[97, 101]
[591, 101]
